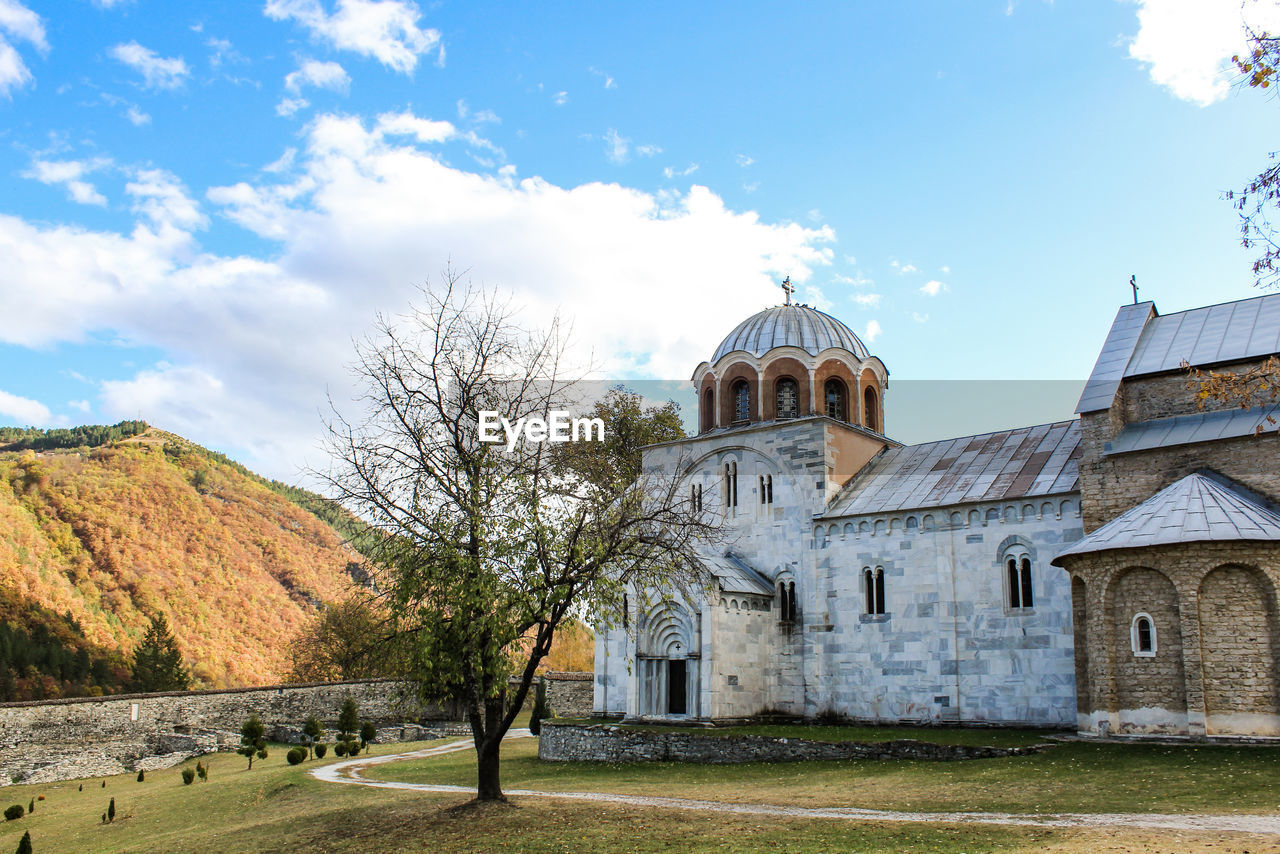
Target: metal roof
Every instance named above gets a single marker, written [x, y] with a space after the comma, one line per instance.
[735, 576]
[1197, 427]
[1020, 463]
[1109, 370]
[790, 326]
[1144, 342]
[1204, 336]
[1201, 507]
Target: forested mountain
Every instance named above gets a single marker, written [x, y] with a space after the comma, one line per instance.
[128, 522]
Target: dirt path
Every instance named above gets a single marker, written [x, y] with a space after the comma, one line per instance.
[350, 772]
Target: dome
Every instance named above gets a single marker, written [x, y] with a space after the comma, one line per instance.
[791, 326]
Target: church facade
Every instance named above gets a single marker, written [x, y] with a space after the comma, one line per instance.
[887, 583]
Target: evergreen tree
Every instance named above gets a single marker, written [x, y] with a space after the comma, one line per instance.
[253, 740]
[348, 718]
[157, 663]
[24, 844]
[312, 729]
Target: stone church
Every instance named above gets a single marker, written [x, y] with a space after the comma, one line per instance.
[1113, 573]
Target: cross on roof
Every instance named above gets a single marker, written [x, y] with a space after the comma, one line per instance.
[788, 288]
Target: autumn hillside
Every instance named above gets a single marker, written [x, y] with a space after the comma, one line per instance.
[93, 541]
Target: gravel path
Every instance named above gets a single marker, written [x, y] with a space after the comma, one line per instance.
[350, 772]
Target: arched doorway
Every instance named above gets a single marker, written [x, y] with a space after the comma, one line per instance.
[668, 659]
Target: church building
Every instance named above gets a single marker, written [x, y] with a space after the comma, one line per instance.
[1116, 572]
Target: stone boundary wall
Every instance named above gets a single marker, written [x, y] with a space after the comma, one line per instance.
[570, 695]
[97, 736]
[565, 742]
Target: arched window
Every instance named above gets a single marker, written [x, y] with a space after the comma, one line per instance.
[788, 398]
[871, 410]
[730, 484]
[791, 601]
[873, 586]
[695, 497]
[1142, 636]
[741, 401]
[766, 489]
[1018, 587]
[834, 395]
[708, 409]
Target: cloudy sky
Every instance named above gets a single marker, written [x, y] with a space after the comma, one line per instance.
[202, 205]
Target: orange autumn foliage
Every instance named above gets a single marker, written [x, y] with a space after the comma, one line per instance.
[146, 526]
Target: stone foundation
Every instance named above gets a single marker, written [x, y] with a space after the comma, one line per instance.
[563, 742]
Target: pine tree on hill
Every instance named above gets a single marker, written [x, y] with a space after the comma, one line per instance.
[157, 663]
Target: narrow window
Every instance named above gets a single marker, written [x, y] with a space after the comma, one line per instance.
[788, 398]
[1015, 599]
[1142, 636]
[733, 483]
[1027, 600]
[708, 410]
[768, 482]
[741, 401]
[791, 601]
[762, 494]
[834, 394]
[871, 411]
[879, 591]
[728, 487]
[699, 488]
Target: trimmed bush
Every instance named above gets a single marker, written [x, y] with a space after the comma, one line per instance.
[368, 734]
[24, 844]
[313, 730]
[188, 776]
[202, 771]
[31, 807]
[321, 750]
[111, 810]
[14, 812]
[296, 756]
[142, 776]
[340, 749]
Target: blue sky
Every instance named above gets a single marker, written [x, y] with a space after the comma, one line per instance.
[204, 203]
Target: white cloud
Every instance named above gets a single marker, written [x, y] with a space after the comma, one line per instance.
[867, 300]
[1189, 43]
[157, 72]
[903, 269]
[744, 161]
[751, 186]
[561, 98]
[815, 215]
[361, 214]
[80, 405]
[19, 23]
[945, 270]
[933, 288]
[321, 75]
[919, 318]
[815, 297]
[609, 82]
[386, 30]
[477, 117]
[70, 174]
[872, 332]
[672, 172]
[289, 106]
[24, 410]
[616, 147]
[137, 116]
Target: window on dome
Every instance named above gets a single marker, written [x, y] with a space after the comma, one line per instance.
[788, 398]
[834, 393]
[741, 401]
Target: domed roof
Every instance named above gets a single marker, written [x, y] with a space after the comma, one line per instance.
[790, 326]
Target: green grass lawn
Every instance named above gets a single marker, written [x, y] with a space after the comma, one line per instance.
[278, 808]
[872, 734]
[1072, 777]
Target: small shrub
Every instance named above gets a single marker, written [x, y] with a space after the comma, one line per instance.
[31, 807]
[188, 776]
[340, 749]
[111, 810]
[104, 784]
[142, 776]
[202, 771]
[14, 812]
[82, 787]
[296, 755]
[104, 818]
[312, 729]
[368, 734]
[24, 844]
[321, 750]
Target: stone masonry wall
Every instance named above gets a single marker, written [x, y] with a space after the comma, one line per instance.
[569, 694]
[562, 742]
[1209, 628]
[96, 736]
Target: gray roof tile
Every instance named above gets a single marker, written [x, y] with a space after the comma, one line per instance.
[734, 575]
[1201, 507]
[1038, 460]
[1189, 429]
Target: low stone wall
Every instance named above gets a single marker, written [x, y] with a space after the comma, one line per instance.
[97, 736]
[570, 695]
[565, 742]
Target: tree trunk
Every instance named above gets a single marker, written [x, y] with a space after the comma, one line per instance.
[488, 787]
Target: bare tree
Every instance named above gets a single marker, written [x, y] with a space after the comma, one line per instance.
[486, 548]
